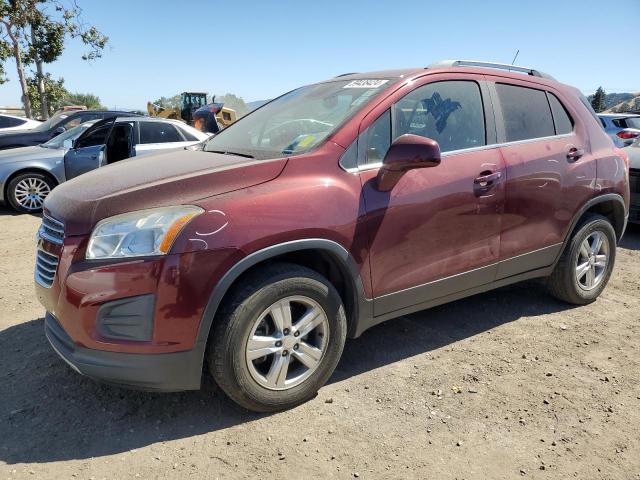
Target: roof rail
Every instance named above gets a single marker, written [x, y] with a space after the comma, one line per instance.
[500, 66]
[345, 74]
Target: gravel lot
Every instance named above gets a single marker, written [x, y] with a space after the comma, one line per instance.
[507, 384]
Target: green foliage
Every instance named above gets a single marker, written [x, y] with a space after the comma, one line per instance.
[54, 92]
[168, 102]
[89, 100]
[5, 54]
[598, 102]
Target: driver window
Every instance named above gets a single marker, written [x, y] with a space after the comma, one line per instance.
[450, 113]
[96, 137]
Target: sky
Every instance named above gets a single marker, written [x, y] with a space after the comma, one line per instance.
[260, 49]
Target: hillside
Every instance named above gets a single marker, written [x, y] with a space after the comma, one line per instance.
[630, 105]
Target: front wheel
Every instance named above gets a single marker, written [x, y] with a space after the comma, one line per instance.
[586, 263]
[26, 192]
[278, 338]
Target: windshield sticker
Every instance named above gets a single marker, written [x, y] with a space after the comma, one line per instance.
[365, 84]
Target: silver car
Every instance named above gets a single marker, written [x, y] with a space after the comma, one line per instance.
[623, 128]
[28, 174]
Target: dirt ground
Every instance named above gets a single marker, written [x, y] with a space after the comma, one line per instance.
[508, 384]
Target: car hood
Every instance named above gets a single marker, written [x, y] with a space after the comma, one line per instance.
[29, 153]
[173, 178]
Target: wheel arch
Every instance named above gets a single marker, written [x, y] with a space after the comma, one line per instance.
[326, 257]
[610, 206]
[29, 169]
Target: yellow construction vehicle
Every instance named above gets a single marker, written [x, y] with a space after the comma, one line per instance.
[195, 111]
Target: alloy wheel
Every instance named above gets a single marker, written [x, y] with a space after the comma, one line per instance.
[593, 258]
[31, 192]
[287, 343]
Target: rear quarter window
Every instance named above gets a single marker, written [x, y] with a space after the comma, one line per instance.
[561, 118]
[525, 111]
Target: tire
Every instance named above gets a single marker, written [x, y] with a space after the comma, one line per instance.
[26, 192]
[247, 382]
[565, 283]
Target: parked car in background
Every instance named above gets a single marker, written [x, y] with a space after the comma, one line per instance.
[57, 124]
[623, 128]
[332, 208]
[28, 174]
[633, 151]
[12, 122]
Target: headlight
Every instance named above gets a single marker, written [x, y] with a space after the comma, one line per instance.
[139, 234]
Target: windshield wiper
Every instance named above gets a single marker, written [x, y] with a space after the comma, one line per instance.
[237, 154]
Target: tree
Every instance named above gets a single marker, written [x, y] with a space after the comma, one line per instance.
[36, 31]
[14, 18]
[89, 100]
[5, 53]
[236, 103]
[54, 92]
[170, 102]
[598, 102]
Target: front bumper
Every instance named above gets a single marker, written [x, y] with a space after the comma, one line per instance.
[159, 372]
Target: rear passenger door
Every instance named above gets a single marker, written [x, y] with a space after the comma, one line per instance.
[159, 136]
[438, 231]
[550, 172]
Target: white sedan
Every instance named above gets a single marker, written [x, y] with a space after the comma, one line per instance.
[11, 122]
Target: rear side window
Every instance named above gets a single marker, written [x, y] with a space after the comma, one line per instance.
[450, 113]
[561, 118]
[190, 137]
[6, 122]
[158, 132]
[525, 111]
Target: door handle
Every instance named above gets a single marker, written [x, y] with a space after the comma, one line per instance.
[574, 153]
[487, 179]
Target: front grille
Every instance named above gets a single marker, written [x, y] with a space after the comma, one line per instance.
[46, 266]
[51, 230]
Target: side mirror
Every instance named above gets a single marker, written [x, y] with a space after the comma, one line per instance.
[58, 131]
[406, 153]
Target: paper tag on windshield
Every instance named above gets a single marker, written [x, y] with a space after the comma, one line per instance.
[365, 83]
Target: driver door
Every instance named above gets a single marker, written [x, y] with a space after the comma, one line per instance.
[88, 150]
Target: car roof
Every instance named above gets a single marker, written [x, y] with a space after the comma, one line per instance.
[138, 118]
[13, 116]
[450, 66]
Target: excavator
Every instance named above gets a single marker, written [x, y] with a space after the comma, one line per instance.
[195, 111]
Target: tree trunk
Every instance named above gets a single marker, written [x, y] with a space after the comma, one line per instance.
[20, 67]
[44, 106]
[42, 94]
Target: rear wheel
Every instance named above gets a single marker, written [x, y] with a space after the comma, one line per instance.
[278, 338]
[26, 192]
[586, 263]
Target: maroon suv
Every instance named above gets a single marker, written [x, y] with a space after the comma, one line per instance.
[332, 208]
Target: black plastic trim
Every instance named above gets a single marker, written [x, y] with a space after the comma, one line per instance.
[128, 318]
[167, 372]
[362, 307]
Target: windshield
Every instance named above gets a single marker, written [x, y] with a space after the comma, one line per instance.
[48, 124]
[71, 134]
[298, 121]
